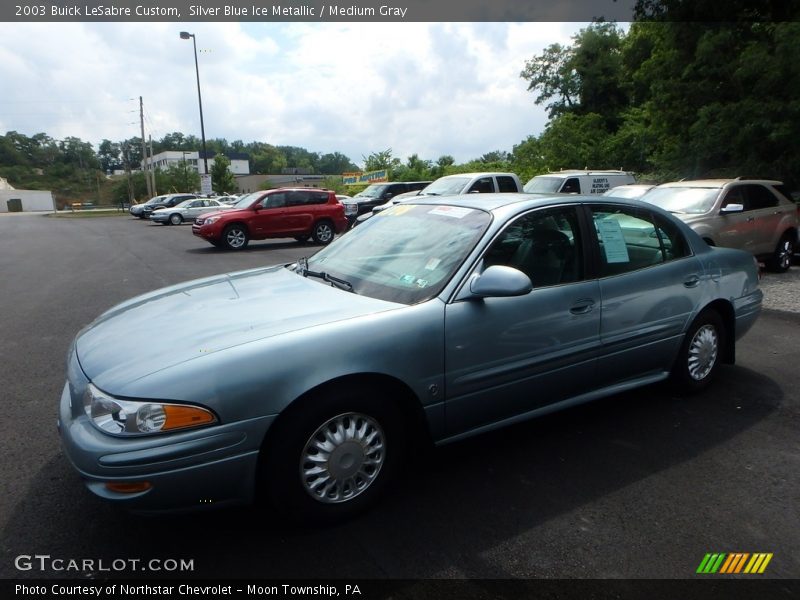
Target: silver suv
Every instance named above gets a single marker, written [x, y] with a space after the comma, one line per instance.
[750, 214]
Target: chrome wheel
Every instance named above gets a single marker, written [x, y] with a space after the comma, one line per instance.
[342, 458]
[175, 219]
[783, 254]
[703, 351]
[323, 233]
[235, 238]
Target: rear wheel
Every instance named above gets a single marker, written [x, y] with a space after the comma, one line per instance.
[332, 457]
[781, 258]
[175, 219]
[235, 237]
[700, 354]
[323, 232]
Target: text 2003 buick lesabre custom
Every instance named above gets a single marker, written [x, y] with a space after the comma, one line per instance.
[440, 318]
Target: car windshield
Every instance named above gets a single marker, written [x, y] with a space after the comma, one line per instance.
[155, 200]
[246, 200]
[184, 204]
[445, 186]
[688, 200]
[406, 254]
[543, 185]
[372, 191]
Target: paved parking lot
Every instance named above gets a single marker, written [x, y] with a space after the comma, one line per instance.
[640, 485]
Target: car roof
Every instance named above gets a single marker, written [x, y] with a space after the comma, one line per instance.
[499, 202]
[477, 174]
[716, 183]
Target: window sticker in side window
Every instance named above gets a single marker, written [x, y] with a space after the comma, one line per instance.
[610, 234]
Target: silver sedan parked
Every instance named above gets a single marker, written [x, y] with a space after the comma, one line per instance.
[187, 211]
[304, 385]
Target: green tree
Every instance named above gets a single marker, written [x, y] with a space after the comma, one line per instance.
[266, 160]
[381, 160]
[222, 179]
[335, 163]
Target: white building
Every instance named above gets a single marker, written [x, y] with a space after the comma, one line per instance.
[240, 163]
[12, 200]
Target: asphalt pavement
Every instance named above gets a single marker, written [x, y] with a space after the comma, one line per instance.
[639, 485]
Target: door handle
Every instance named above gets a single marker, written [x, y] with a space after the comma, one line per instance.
[691, 281]
[581, 307]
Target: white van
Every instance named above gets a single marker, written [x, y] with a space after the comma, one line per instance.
[578, 182]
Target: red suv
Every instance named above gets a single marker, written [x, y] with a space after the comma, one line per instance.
[287, 212]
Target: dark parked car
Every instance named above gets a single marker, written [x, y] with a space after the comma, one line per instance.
[376, 194]
[304, 386]
[137, 210]
[301, 213]
[167, 201]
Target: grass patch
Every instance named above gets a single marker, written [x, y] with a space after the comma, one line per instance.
[90, 214]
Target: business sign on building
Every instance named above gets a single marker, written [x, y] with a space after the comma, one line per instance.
[368, 177]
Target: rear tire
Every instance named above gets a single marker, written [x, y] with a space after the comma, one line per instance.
[700, 354]
[332, 456]
[235, 237]
[781, 258]
[323, 232]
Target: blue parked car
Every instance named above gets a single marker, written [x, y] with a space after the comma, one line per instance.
[439, 318]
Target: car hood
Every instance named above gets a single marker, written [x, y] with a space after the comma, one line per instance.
[197, 318]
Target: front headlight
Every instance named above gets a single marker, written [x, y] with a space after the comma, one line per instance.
[210, 220]
[131, 418]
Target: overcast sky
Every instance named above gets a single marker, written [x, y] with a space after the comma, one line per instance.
[355, 88]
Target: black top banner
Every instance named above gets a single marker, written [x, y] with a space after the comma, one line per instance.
[314, 10]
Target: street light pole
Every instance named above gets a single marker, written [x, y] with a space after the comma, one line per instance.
[185, 174]
[185, 35]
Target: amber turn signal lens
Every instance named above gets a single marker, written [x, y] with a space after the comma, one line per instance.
[179, 416]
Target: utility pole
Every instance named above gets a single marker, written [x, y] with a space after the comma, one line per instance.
[153, 170]
[150, 193]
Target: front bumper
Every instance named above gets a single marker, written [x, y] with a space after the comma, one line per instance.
[211, 467]
[159, 218]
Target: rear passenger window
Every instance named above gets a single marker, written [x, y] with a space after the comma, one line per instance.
[627, 238]
[484, 185]
[760, 197]
[506, 184]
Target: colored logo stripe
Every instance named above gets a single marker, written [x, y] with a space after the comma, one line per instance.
[734, 563]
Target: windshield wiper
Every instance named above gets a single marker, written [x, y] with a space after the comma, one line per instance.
[342, 284]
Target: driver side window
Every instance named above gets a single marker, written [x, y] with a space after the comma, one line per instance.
[545, 245]
[274, 201]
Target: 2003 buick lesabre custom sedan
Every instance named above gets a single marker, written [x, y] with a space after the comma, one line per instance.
[438, 319]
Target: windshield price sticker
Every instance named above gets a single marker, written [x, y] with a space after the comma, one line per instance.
[456, 212]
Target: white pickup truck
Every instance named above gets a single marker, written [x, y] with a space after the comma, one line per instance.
[453, 185]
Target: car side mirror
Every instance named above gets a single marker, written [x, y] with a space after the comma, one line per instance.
[732, 208]
[500, 281]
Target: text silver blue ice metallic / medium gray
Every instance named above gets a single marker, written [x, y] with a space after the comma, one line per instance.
[304, 385]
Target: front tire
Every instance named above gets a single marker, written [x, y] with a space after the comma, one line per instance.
[781, 258]
[700, 354]
[323, 232]
[235, 237]
[175, 219]
[332, 456]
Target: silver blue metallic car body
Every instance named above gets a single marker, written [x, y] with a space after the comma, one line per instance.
[311, 378]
